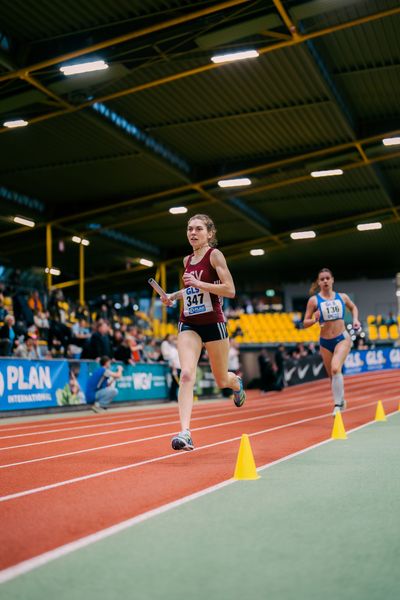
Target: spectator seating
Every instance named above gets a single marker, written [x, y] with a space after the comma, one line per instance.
[377, 331]
[271, 328]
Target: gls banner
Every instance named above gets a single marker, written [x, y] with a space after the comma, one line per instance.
[365, 361]
[308, 368]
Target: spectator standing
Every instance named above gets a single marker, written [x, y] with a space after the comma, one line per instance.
[266, 371]
[7, 336]
[280, 355]
[34, 302]
[99, 343]
[3, 310]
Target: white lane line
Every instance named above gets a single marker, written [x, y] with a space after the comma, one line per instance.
[289, 392]
[159, 458]
[240, 420]
[154, 437]
[227, 412]
[43, 559]
[210, 409]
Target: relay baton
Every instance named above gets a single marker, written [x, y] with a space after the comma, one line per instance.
[157, 288]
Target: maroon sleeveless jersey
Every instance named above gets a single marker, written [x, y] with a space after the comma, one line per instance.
[202, 308]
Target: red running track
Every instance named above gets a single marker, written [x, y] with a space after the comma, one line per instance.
[64, 479]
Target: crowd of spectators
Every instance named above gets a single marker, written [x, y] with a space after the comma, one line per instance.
[33, 326]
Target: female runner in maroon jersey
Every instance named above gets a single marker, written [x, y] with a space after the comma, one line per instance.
[207, 279]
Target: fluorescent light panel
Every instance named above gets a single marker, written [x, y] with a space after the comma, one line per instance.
[23, 221]
[303, 235]
[53, 271]
[78, 240]
[327, 173]
[178, 210]
[87, 67]
[16, 123]
[232, 56]
[146, 263]
[238, 182]
[257, 252]
[394, 141]
[369, 226]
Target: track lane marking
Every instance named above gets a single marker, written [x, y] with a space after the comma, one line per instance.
[259, 405]
[166, 456]
[289, 392]
[42, 559]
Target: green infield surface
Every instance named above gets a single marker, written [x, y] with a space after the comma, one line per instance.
[322, 524]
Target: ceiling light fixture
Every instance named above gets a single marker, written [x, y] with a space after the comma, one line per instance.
[232, 56]
[86, 67]
[79, 240]
[178, 210]
[23, 221]
[257, 252]
[328, 173]
[16, 123]
[145, 262]
[53, 271]
[303, 235]
[369, 226]
[238, 182]
[394, 141]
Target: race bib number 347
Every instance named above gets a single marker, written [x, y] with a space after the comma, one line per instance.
[196, 302]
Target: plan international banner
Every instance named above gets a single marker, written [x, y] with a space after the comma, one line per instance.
[27, 384]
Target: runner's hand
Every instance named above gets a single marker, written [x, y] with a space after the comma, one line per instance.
[167, 300]
[189, 279]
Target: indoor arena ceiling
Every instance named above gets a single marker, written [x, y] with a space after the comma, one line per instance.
[106, 154]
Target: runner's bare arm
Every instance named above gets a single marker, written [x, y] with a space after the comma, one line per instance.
[312, 315]
[353, 309]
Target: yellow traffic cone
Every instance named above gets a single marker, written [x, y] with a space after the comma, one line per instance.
[338, 431]
[245, 465]
[380, 412]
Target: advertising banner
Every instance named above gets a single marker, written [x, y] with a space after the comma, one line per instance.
[205, 383]
[40, 384]
[365, 361]
[308, 368]
[143, 382]
[27, 384]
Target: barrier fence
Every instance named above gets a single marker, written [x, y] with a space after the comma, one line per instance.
[30, 384]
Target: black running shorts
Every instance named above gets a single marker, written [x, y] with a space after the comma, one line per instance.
[208, 333]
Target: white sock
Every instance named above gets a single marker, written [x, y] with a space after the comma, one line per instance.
[338, 389]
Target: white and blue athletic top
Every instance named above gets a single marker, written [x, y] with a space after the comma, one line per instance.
[330, 310]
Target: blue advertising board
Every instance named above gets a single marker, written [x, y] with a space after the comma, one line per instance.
[27, 384]
[365, 361]
[143, 382]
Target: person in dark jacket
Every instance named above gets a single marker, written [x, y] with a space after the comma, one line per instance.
[266, 371]
[99, 343]
[8, 336]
